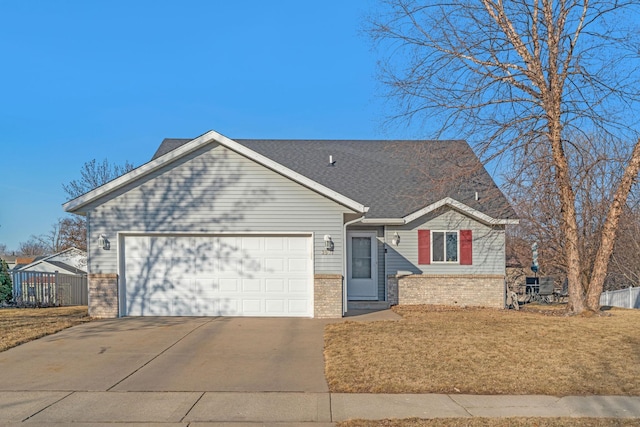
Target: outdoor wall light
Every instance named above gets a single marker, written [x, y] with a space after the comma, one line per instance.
[103, 242]
[396, 239]
[328, 243]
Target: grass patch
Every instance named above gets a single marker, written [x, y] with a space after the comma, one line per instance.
[493, 422]
[484, 351]
[20, 325]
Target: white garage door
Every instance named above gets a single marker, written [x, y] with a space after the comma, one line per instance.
[217, 276]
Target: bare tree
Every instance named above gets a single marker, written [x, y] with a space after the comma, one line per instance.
[520, 76]
[93, 175]
[538, 205]
[72, 230]
[33, 247]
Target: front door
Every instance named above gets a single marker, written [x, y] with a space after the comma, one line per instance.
[362, 265]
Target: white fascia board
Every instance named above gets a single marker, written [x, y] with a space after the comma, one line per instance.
[448, 201]
[211, 136]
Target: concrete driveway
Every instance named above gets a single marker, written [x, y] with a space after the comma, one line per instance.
[172, 355]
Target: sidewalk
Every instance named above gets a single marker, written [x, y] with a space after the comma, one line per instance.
[220, 408]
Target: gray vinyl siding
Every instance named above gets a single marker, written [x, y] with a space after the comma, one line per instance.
[488, 246]
[215, 190]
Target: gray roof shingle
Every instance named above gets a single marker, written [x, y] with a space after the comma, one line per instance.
[393, 178]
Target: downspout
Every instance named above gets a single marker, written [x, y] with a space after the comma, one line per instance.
[344, 262]
[384, 254]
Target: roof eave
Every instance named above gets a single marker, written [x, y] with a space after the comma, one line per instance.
[474, 213]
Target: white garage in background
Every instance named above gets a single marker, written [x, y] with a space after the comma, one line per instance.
[216, 275]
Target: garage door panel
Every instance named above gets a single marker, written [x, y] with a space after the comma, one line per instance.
[298, 286]
[206, 287]
[275, 285]
[274, 244]
[297, 306]
[252, 243]
[156, 307]
[230, 265]
[217, 275]
[299, 265]
[275, 265]
[298, 244]
[229, 285]
[273, 306]
[251, 285]
[137, 246]
[254, 265]
[206, 307]
[251, 307]
[206, 264]
[182, 266]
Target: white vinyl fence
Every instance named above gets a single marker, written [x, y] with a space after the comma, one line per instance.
[49, 289]
[625, 298]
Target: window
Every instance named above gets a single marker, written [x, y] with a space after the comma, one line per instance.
[445, 246]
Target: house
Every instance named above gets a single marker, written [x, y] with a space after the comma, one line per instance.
[10, 260]
[219, 227]
[68, 261]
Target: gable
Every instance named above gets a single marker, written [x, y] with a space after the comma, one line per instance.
[481, 251]
[79, 205]
[213, 190]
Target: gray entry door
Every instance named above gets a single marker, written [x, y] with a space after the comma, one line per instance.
[362, 265]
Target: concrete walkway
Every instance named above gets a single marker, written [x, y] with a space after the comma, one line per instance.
[220, 408]
[224, 372]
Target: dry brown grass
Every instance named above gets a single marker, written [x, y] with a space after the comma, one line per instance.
[484, 351]
[493, 422]
[20, 325]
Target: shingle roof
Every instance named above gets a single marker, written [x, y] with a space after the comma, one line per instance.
[393, 178]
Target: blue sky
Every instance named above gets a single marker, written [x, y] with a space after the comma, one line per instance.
[110, 79]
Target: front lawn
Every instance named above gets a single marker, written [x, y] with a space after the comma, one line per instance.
[485, 351]
[19, 325]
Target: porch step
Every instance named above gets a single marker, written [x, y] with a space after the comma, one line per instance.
[367, 305]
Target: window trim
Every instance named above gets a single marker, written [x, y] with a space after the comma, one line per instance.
[457, 261]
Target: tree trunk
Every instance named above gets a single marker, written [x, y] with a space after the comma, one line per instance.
[610, 228]
[569, 228]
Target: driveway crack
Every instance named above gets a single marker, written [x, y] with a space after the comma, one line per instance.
[162, 352]
[192, 406]
[48, 406]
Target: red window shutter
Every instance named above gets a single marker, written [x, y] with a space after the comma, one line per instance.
[424, 247]
[466, 247]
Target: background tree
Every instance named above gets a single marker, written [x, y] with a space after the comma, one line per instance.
[93, 175]
[72, 230]
[538, 207]
[33, 247]
[523, 76]
[6, 288]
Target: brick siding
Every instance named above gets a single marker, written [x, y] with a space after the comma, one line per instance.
[103, 295]
[327, 296]
[453, 290]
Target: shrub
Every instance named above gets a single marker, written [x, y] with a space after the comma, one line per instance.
[6, 288]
